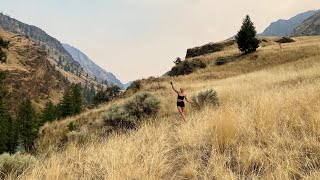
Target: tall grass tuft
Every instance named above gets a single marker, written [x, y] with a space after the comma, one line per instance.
[205, 98]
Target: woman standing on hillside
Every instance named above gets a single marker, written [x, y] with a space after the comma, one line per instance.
[180, 101]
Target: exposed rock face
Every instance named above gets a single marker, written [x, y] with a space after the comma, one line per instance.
[36, 34]
[92, 68]
[285, 27]
[310, 27]
[56, 53]
[30, 74]
[208, 48]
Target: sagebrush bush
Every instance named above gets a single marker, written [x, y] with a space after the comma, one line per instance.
[285, 40]
[205, 98]
[15, 164]
[187, 67]
[72, 127]
[141, 105]
[117, 117]
[221, 61]
[132, 111]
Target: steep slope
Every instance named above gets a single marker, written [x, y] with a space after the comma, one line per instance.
[285, 27]
[310, 27]
[267, 125]
[57, 55]
[30, 74]
[92, 68]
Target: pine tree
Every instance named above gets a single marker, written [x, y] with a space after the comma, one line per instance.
[3, 45]
[12, 142]
[65, 106]
[100, 98]
[49, 113]
[76, 100]
[113, 92]
[4, 117]
[27, 126]
[246, 37]
[3, 128]
[92, 93]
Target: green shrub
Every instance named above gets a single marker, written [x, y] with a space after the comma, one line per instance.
[15, 164]
[135, 85]
[71, 127]
[3, 45]
[116, 116]
[221, 61]
[186, 67]
[205, 98]
[141, 105]
[132, 111]
[285, 40]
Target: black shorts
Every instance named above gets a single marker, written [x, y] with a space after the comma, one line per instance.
[180, 104]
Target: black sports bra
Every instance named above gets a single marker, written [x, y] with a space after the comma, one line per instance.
[180, 97]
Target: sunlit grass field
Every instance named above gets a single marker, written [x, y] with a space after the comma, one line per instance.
[267, 126]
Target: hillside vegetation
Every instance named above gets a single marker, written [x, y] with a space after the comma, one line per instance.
[266, 127]
[30, 74]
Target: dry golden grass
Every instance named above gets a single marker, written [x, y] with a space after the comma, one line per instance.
[267, 127]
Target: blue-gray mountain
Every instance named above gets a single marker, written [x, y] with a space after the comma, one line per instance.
[92, 68]
[286, 27]
[309, 27]
[126, 85]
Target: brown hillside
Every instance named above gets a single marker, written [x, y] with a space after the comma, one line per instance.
[267, 125]
[30, 74]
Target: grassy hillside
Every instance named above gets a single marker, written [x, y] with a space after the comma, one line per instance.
[267, 126]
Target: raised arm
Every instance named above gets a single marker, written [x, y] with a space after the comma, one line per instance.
[188, 100]
[173, 88]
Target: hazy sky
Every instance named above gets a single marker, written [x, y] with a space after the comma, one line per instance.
[140, 38]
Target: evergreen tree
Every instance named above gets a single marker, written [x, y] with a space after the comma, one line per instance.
[92, 93]
[113, 92]
[65, 107]
[3, 45]
[100, 98]
[4, 121]
[12, 142]
[246, 37]
[49, 113]
[27, 126]
[60, 64]
[76, 100]
[4, 117]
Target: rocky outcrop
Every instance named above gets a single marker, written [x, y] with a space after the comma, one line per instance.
[310, 27]
[29, 74]
[208, 48]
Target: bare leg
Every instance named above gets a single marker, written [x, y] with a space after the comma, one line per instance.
[181, 109]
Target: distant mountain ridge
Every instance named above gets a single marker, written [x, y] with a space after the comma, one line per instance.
[286, 27]
[56, 53]
[36, 34]
[92, 68]
[310, 27]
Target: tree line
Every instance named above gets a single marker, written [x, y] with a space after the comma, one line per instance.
[19, 134]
